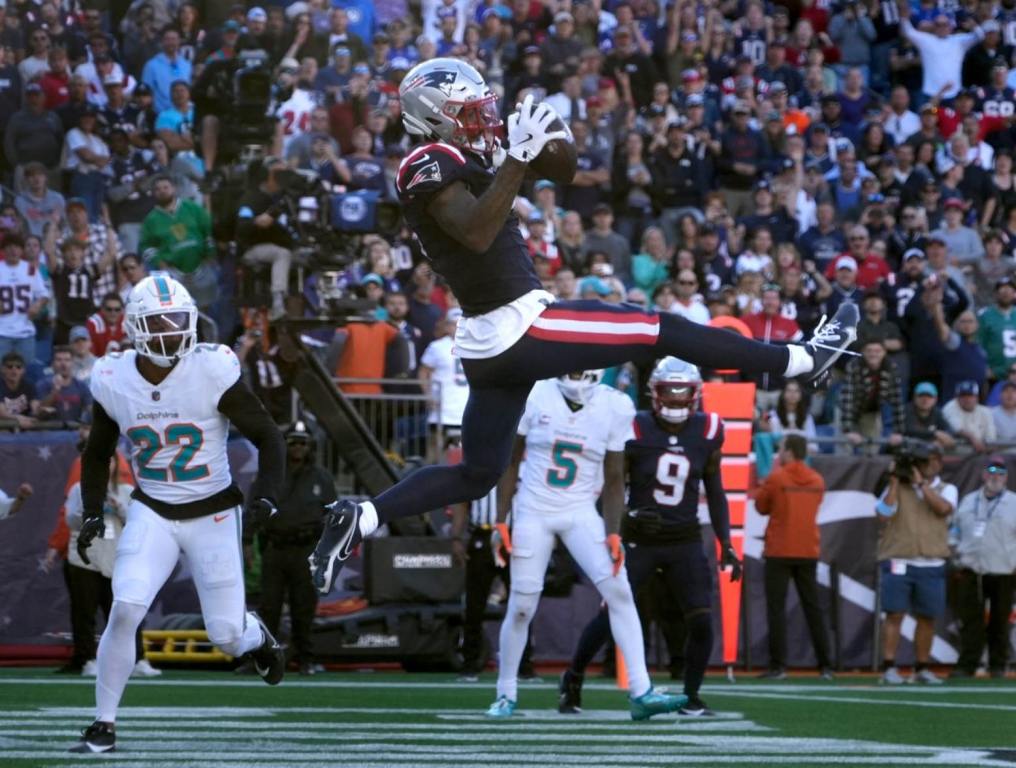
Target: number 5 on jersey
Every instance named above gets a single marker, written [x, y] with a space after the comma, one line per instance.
[148, 444]
[565, 468]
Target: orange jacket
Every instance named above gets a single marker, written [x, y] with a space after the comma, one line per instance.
[61, 534]
[791, 496]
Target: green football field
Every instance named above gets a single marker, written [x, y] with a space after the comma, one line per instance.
[375, 719]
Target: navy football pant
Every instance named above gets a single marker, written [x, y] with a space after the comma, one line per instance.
[688, 575]
[569, 336]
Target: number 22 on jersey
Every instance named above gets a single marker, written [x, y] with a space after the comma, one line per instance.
[148, 443]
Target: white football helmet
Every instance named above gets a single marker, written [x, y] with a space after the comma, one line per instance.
[676, 389]
[161, 319]
[449, 100]
[578, 387]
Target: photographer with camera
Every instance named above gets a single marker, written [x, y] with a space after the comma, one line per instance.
[913, 546]
[261, 231]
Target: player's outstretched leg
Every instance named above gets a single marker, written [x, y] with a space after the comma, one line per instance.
[645, 701]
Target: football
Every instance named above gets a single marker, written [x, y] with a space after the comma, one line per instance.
[558, 159]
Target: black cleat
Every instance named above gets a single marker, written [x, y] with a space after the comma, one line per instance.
[831, 339]
[569, 701]
[269, 660]
[695, 708]
[98, 737]
[338, 540]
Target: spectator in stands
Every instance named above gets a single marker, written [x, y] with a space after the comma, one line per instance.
[997, 331]
[74, 284]
[36, 63]
[687, 298]
[876, 326]
[10, 507]
[262, 237]
[81, 349]
[87, 159]
[741, 155]
[34, 134]
[790, 416]
[771, 326]
[28, 297]
[1004, 414]
[824, 241]
[37, 203]
[105, 327]
[95, 237]
[924, 420]
[18, 400]
[941, 52]
[872, 268]
[63, 397]
[651, 266]
[603, 239]
[963, 243]
[913, 546]
[132, 271]
[968, 418]
[871, 392]
[790, 497]
[937, 300]
[853, 33]
[963, 359]
[176, 236]
[985, 555]
[678, 179]
[129, 196]
[166, 68]
[844, 285]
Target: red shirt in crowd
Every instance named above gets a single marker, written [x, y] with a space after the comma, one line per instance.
[103, 334]
[775, 328]
[871, 270]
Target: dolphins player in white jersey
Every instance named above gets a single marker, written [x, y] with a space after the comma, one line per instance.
[174, 399]
[572, 435]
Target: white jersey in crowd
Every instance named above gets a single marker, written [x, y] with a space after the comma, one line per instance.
[20, 287]
[294, 113]
[565, 449]
[449, 382]
[177, 433]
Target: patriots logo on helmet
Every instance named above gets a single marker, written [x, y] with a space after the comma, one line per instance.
[429, 172]
[439, 78]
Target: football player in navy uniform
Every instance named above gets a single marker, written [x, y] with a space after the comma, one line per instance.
[676, 447]
[457, 191]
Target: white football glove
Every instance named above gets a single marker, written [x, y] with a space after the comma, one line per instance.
[527, 129]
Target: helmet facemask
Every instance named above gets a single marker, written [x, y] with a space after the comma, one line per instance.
[578, 387]
[479, 125]
[675, 401]
[163, 336]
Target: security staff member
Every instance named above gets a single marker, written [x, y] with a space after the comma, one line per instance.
[472, 526]
[984, 546]
[287, 540]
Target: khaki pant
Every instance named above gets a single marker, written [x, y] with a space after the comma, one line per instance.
[870, 426]
[278, 257]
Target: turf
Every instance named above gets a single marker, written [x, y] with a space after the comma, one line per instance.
[378, 719]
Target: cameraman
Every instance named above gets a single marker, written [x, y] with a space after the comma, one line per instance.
[913, 547]
[261, 231]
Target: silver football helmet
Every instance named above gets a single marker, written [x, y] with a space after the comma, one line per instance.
[161, 319]
[578, 387]
[676, 389]
[449, 100]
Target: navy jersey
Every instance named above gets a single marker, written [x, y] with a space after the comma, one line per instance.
[481, 281]
[666, 469]
[997, 102]
[752, 43]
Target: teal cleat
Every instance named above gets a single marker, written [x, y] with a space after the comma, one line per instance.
[501, 709]
[654, 703]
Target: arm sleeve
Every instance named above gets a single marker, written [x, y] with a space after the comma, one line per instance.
[716, 498]
[248, 415]
[883, 509]
[430, 169]
[95, 460]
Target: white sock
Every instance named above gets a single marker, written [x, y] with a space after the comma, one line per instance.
[368, 518]
[627, 631]
[800, 361]
[512, 641]
[116, 657]
[253, 637]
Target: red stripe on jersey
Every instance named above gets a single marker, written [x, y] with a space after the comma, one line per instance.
[713, 426]
[599, 317]
[587, 337]
[635, 428]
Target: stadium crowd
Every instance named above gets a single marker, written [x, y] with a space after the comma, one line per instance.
[759, 161]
